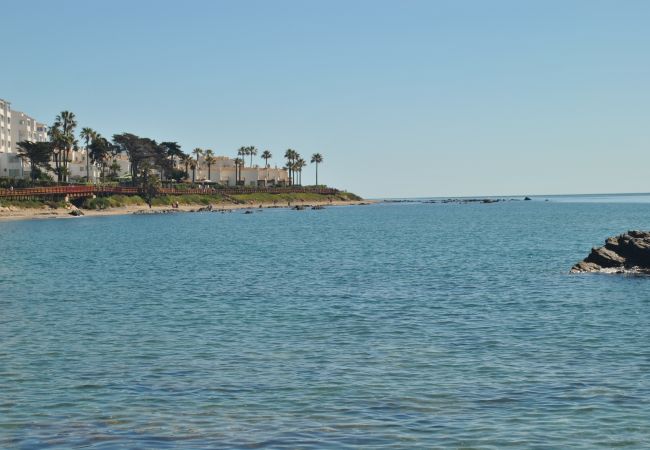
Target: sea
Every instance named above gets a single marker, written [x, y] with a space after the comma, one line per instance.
[392, 325]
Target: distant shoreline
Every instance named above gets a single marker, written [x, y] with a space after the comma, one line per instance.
[14, 213]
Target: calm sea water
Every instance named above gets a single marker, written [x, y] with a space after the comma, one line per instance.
[391, 325]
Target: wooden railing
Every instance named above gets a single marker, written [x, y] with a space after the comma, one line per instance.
[88, 191]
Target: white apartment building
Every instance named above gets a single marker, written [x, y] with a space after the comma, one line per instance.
[10, 165]
[24, 128]
[15, 127]
[5, 126]
[223, 171]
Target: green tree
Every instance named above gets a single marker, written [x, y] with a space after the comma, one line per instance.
[100, 150]
[38, 154]
[291, 156]
[316, 158]
[266, 155]
[299, 165]
[185, 161]
[144, 154]
[115, 167]
[252, 151]
[149, 185]
[193, 165]
[242, 152]
[209, 161]
[239, 163]
[64, 126]
[88, 134]
[173, 151]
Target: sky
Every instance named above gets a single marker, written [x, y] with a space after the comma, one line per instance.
[402, 98]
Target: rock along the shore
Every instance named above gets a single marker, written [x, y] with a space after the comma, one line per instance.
[627, 253]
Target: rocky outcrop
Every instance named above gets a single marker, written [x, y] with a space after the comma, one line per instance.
[627, 253]
[142, 212]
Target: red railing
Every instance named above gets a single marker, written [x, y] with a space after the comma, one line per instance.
[81, 191]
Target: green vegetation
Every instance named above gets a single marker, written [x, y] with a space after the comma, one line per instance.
[35, 204]
[193, 199]
[349, 196]
[112, 201]
[263, 197]
[116, 201]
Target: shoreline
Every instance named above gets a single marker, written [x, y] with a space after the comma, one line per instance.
[14, 213]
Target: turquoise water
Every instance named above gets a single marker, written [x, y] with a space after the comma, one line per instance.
[383, 326]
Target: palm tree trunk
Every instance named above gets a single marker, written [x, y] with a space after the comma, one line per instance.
[316, 174]
[87, 163]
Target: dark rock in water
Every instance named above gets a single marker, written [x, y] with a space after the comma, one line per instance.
[627, 253]
[248, 212]
[76, 212]
[318, 207]
[527, 199]
[144, 212]
[298, 208]
[467, 200]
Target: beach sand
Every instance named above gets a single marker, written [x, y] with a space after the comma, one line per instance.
[13, 213]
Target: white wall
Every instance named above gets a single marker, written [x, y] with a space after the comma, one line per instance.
[11, 166]
[5, 126]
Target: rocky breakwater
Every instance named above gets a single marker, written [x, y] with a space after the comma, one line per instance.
[627, 253]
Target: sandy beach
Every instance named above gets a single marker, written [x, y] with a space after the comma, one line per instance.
[14, 213]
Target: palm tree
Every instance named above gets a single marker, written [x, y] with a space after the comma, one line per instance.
[115, 167]
[100, 150]
[88, 134]
[173, 151]
[242, 152]
[252, 151]
[300, 164]
[316, 158]
[209, 160]
[266, 156]
[66, 122]
[291, 156]
[185, 160]
[56, 138]
[239, 163]
[193, 164]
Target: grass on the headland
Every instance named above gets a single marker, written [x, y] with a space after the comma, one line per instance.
[117, 201]
[31, 204]
[263, 197]
[191, 199]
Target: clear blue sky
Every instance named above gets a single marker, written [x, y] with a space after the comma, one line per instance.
[403, 98]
